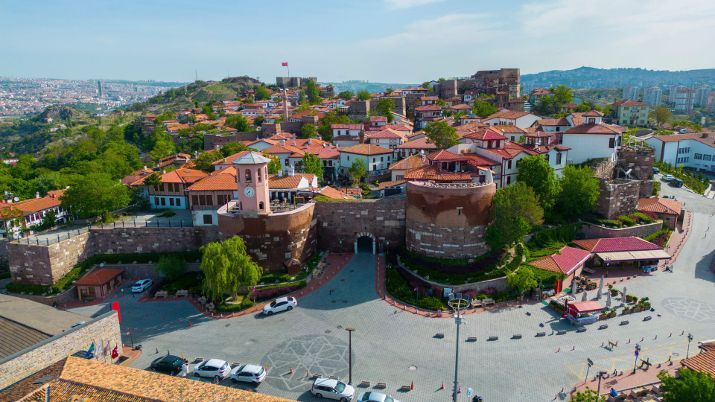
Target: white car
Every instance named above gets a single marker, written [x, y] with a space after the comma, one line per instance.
[141, 285]
[280, 304]
[214, 368]
[372, 396]
[248, 373]
[332, 389]
[668, 177]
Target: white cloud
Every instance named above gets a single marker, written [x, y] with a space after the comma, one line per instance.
[402, 4]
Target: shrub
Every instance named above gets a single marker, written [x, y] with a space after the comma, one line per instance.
[399, 288]
[641, 217]
[28, 289]
[171, 266]
[627, 220]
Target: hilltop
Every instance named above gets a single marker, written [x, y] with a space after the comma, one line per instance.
[589, 77]
[198, 92]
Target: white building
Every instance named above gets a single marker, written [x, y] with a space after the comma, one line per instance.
[511, 118]
[592, 139]
[386, 138]
[652, 96]
[692, 150]
[632, 93]
[377, 159]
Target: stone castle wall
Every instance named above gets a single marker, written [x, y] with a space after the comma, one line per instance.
[591, 231]
[273, 240]
[340, 222]
[45, 264]
[448, 221]
[104, 328]
[618, 197]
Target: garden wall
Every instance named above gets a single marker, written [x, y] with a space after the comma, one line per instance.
[592, 231]
[417, 281]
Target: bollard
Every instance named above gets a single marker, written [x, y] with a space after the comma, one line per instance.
[539, 334]
[516, 336]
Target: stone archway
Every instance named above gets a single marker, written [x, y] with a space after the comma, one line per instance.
[361, 239]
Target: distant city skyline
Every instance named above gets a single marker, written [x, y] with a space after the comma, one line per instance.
[398, 41]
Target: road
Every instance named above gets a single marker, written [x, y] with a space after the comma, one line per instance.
[399, 348]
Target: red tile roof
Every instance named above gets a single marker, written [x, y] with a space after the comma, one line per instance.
[479, 161]
[33, 205]
[386, 133]
[566, 261]
[99, 276]
[420, 143]
[444, 155]
[377, 119]
[707, 138]
[222, 180]
[229, 159]
[553, 122]
[615, 244]
[387, 184]
[601, 128]
[410, 162]
[484, 134]
[703, 361]
[507, 114]
[510, 150]
[431, 172]
[365, 149]
[659, 205]
[183, 175]
[331, 192]
[427, 108]
[290, 182]
[346, 126]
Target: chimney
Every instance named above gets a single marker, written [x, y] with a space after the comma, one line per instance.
[37, 194]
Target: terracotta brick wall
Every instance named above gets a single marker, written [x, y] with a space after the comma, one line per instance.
[101, 329]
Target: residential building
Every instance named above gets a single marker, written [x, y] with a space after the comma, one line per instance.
[425, 114]
[210, 193]
[414, 146]
[653, 96]
[171, 192]
[16, 216]
[445, 166]
[511, 117]
[683, 99]
[345, 135]
[377, 160]
[536, 94]
[375, 122]
[399, 168]
[386, 138]
[632, 113]
[701, 96]
[667, 209]
[591, 139]
[546, 144]
[631, 93]
[692, 150]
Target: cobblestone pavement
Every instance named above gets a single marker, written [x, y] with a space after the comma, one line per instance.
[400, 348]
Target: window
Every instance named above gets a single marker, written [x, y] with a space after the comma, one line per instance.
[508, 164]
[163, 201]
[373, 160]
[178, 202]
[260, 205]
[208, 220]
[698, 156]
[558, 158]
[195, 199]
[248, 176]
[611, 142]
[707, 157]
[547, 156]
[209, 199]
[508, 180]
[171, 202]
[202, 199]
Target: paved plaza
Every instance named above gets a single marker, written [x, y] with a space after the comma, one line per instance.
[399, 348]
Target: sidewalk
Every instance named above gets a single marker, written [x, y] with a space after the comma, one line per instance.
[677, 240]
[630, 383]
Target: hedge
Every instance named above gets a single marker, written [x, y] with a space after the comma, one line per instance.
[400, 289]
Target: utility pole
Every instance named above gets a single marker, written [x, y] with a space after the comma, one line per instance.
[636, 353]
[350, 354]
[690, 339]
[589, 363]
[457, 304]
[598, 391]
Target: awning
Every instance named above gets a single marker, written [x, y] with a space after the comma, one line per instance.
[618, 256]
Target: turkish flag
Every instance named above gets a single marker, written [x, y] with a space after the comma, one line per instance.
[115, 307]
[115, 352]
[284, 64]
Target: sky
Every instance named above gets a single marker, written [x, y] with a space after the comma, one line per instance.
[396, 41]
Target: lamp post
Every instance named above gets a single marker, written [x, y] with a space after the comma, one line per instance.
[690, 339]
[350, 354]
[637, 352]
[457, 304]
[600, 376]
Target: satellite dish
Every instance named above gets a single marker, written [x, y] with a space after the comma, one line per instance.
[16, 199]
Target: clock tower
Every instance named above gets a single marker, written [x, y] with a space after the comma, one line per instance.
[252, 180]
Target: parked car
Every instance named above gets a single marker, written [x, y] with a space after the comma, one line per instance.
[141, 285]
[656, 170]
[248, 373]
[668, 177]
[372, 396]
[280, 304]
[330, 388]
[214, 368]
[676, 183]
[168, 364]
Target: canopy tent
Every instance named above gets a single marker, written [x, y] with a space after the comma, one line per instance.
[626, 256]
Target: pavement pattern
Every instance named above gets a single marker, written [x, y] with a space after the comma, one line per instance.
[400, 348]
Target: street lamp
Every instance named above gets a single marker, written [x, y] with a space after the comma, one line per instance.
[600, 376]
[457, 304]
[690, 339]
[638, 350]
[350, 354]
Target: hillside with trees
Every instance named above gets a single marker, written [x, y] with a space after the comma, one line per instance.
[589, 77]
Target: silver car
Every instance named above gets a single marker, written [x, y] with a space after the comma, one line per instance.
[372, 396]
[214, 368]
[330, 388]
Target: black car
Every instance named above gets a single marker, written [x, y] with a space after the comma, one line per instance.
[168, 364]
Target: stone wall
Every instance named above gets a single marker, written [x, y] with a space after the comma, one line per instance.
[417, 281]
[149, 239]
[591, 231]
[211, 141]
[637, 159]
[618, 197]
[341, 221]
[44, 265]
[3, 254]
[448, 221]
[20, 365]
[273, 240]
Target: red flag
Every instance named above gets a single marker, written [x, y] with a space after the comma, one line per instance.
[115, 352]
[115, 307]
[284, 64]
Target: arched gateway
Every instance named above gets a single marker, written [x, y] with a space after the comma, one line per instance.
[365, 243]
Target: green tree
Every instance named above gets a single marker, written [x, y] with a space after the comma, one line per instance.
[579, 192]
[205, 160]
[689, 386]
[274, 166]
[95, 194]
[163, 145]
[262, 93]
[357, 171]
[442, 134]
[514, 212]
[563, 95]
[536, 172]
[48, 221]
[171, 267]
[363, 95]
[587, 395]
[426, 85]
[312, 164]
[661, 115]
[312, 92]
[308, 131]
[346, 95]
[231, 148]
[483, 108]
[522, 280]
[238, 122]
[153, 179]
[384, 107]
[326, 133]
[227, 267]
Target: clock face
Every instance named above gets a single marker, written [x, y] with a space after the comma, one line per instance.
[249, 192]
